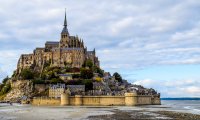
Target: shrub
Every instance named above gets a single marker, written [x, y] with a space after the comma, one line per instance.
[1, 86]
[6, 88]
[88, 84]
[56, 80]
[117, 77]
[86, 73]
[98, 79]
[27, 74]
[98, 70]
[37, 81]
[5, 80]
[76, 76]
[89, 63]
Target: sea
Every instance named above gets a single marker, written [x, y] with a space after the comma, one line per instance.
[189, 106]
[28, 112]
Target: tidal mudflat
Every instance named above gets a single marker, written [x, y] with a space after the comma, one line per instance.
[168, 110]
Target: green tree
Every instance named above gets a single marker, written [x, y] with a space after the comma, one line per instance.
[89, 63]
[47, 63]
[38, 81]
[88, 84]
[6, 88]
[50, 73]
[98, 70]
[56, 80]
[5, 80]
[117, 77]
[27, 74]
[86, 73]
[14, 74]
[1, 86]
[75, 75]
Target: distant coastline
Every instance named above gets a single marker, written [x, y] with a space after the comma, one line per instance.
[182, 98]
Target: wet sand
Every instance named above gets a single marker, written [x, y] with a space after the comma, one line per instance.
[28, 112]
[145, 115]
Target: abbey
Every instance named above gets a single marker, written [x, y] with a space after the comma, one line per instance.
[66, 73]
[70, 51]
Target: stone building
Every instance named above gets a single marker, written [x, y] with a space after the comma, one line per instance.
[76, 89]
[70, 51]
[65, 77]
[55, 91]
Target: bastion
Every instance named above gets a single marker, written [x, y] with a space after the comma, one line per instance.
[129, 99]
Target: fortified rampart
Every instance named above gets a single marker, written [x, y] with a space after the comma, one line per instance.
[130, 99]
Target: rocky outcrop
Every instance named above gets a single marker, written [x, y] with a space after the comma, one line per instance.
[20, 89]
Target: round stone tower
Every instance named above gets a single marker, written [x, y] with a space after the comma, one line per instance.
[131, 99]
[78, 100]
[64, 100]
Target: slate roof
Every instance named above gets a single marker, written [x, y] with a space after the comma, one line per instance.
[51, 43]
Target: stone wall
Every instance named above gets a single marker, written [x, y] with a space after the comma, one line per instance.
[130, 99]
[144, 100]
[46, 101]
[156, 100]
[103, 100]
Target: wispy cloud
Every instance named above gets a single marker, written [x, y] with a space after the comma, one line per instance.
[177, 88]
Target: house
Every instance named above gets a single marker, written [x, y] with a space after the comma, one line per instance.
[65, 77]
[76, 89]
[55, 91]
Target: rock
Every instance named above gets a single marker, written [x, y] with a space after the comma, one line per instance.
[19, 89]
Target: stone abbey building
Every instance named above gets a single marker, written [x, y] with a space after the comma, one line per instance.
[70, 51]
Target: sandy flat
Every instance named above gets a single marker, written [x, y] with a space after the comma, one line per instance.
[28, 112]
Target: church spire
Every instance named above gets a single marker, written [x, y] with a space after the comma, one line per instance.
[65, 21]
[65, 30]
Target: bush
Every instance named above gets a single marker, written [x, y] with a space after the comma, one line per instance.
[86, 73]
[38, 81]
[98, 70]
[14, 74]
[1, 86]
[76, 76]
[5, 80]
[56, 80]
[88, 84]
[98, 79]
[117, 77]
[47, 63]
[89, 63]
[27, 74]
[6, 88]
[50, 73]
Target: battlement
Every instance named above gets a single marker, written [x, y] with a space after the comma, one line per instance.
[130, 99]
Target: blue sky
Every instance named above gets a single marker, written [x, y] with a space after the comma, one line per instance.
[154, 43]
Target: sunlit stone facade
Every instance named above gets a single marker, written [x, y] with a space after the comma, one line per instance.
[70, 51]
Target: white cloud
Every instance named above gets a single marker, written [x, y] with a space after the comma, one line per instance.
[190, 35]
[119, 26]
[192, 90]
[145, 82]
[173, 88]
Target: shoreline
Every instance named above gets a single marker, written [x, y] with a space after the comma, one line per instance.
[146, 115]
[157, 112]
